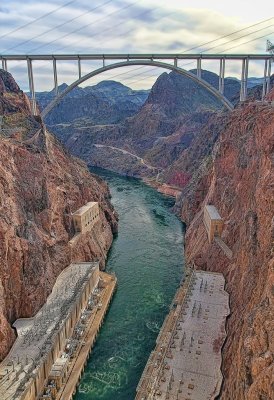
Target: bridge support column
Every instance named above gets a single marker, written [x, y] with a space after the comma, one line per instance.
[4, 64]
[31, 86]
[268, 76]
[264, 81]
[55, 77]
[222, 76]
[176, 62]
[244, 77]
[79, 68]
[199, 68]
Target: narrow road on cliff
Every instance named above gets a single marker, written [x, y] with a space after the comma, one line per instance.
[128, 153]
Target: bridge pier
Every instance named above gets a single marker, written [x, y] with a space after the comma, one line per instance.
[55, 76]
[199, 68]
[268, 77]
[79, 68]
[31, 86]
[264, 81]
[222, 76]
[244, 77]
[4, 64]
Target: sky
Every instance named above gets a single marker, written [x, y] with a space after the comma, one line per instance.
[130, 26]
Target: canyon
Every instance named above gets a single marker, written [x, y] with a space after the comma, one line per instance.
[40, 186]
[181, 133]
[220, 158]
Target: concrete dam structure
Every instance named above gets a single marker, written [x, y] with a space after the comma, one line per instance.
[50, 352]
[186, 362]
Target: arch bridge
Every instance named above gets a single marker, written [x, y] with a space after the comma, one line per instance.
[166, 61]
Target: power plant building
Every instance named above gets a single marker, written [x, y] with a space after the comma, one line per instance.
[37, 365]
[85, 218]
[213, 222]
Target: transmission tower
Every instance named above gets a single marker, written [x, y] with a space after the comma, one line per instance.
[269, 47]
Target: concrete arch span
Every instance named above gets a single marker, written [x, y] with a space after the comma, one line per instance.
[152, 63]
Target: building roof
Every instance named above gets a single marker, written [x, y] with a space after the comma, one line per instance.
[213, 212]
[85, 208]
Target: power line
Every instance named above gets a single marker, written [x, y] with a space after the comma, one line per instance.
[37, 19]
[233, 40]
[218, 46]
[107, 30]
[85, 26]
[248, 34]
[230, 34]
[58, 26]
[241, 44]
[124, 33]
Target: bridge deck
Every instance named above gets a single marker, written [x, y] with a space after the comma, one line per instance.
[157, 56]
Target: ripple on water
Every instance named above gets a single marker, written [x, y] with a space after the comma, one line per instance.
[147, 258]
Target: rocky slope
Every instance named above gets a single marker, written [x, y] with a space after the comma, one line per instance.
[238, 178]
[40, 185]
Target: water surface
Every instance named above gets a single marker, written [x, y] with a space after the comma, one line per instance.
[147, 258]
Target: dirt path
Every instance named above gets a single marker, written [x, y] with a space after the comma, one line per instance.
[128, 153]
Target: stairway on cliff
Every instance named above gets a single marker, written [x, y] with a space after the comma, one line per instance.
[224, 247]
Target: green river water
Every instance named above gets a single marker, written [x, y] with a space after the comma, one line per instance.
[147, 258]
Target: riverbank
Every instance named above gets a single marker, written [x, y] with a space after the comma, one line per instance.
[164, 188]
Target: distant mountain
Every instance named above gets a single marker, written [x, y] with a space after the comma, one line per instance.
[232, 85]
[170, 119]
[251, 82]
[105, 103]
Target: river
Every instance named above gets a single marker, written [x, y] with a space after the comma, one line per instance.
[147, 258]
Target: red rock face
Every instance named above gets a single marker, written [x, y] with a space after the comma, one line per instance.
[239, 181]
[12, 99]
[40, 185]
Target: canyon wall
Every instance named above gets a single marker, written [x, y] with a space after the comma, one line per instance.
[40, 186]
[238, 178]
[165, 126]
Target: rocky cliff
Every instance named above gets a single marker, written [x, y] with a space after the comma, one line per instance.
[40, 185]
[238, 178]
